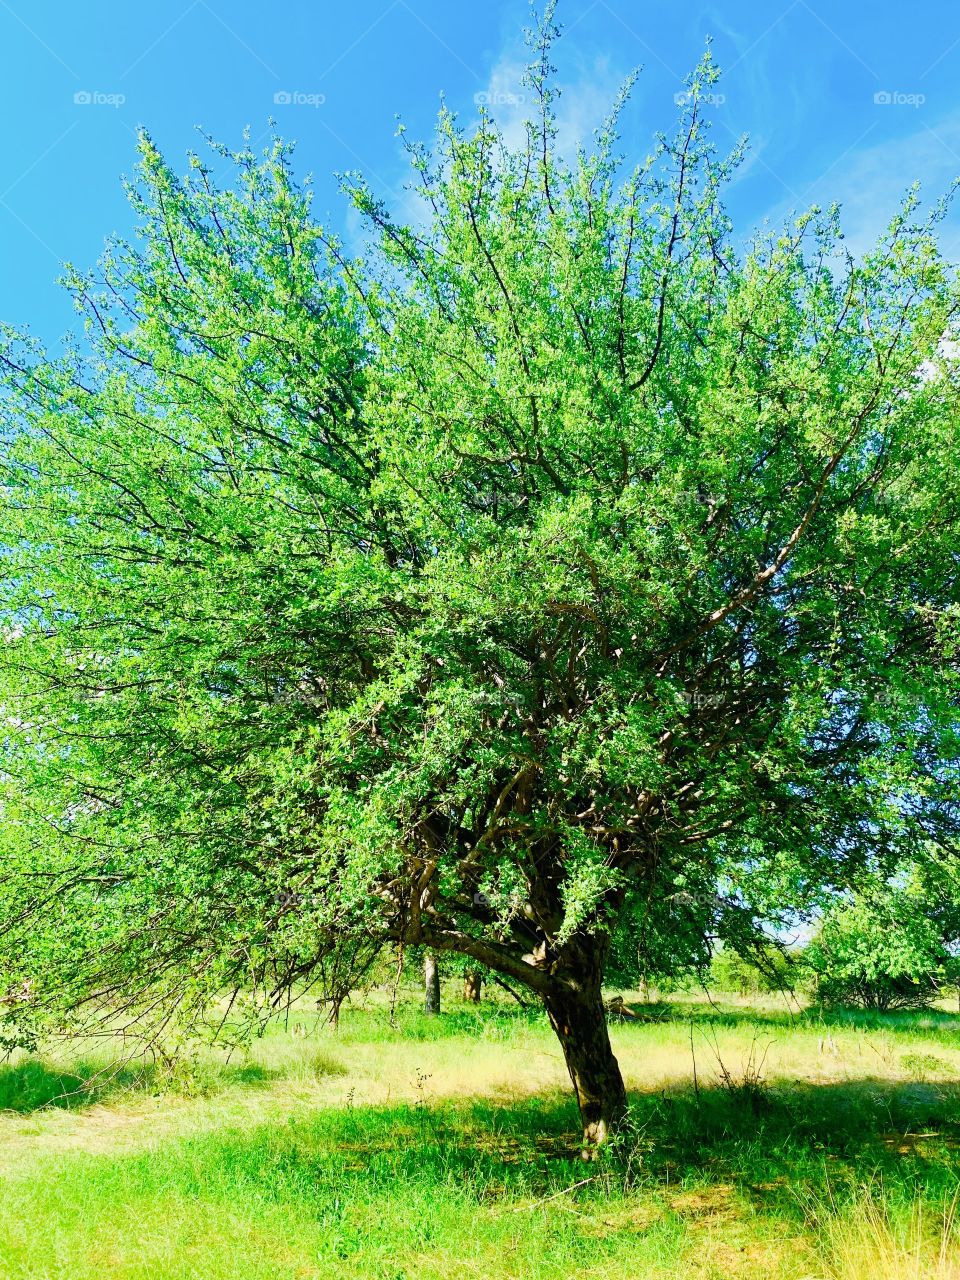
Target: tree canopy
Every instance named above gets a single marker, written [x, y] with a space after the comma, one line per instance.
[564, 551]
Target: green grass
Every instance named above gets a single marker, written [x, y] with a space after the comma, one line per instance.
[448, 1148]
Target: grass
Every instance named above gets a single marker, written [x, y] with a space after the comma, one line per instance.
[810, 1149]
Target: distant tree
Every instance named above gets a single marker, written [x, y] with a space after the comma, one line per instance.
[564, 554]
[431, 984]
[473, 985]
[765, 968]
[891, 944]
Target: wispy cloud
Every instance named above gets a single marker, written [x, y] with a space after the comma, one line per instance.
[587, 92]
[870, 181]
[588, 89]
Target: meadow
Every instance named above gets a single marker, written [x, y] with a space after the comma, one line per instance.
[762, 1143]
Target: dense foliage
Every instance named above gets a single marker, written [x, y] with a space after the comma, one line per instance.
[894, 943]
[560, 555]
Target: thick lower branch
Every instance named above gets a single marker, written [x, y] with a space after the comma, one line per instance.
[492, 954]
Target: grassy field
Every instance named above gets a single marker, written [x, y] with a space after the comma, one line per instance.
[762, 1144]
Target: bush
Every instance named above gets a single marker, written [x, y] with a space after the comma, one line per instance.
[882, 949]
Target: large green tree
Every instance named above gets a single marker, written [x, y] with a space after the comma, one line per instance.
[566, 552]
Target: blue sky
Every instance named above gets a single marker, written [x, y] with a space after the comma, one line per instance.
[802, 79]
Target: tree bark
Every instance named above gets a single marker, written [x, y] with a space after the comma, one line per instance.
[579, 1020]
[472, 986]
[431, 984]
[569, 982]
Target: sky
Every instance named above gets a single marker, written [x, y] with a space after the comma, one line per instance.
[848, 102]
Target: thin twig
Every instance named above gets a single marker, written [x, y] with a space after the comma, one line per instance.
[566, 1190]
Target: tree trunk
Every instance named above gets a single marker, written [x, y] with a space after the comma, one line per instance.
[431, 984]
[472, 986]
[580, 1022]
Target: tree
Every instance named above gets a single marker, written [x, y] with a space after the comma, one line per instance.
[431, 984]
[562, 554]
[766, 969]
[892, 944]
[473, 985]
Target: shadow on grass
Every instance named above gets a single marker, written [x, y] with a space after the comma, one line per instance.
[821, 1142]
[775, 1145]
[33, 1084]
[719, 1014]
[774, 1139]
[758, 1134]
[380, 1192]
